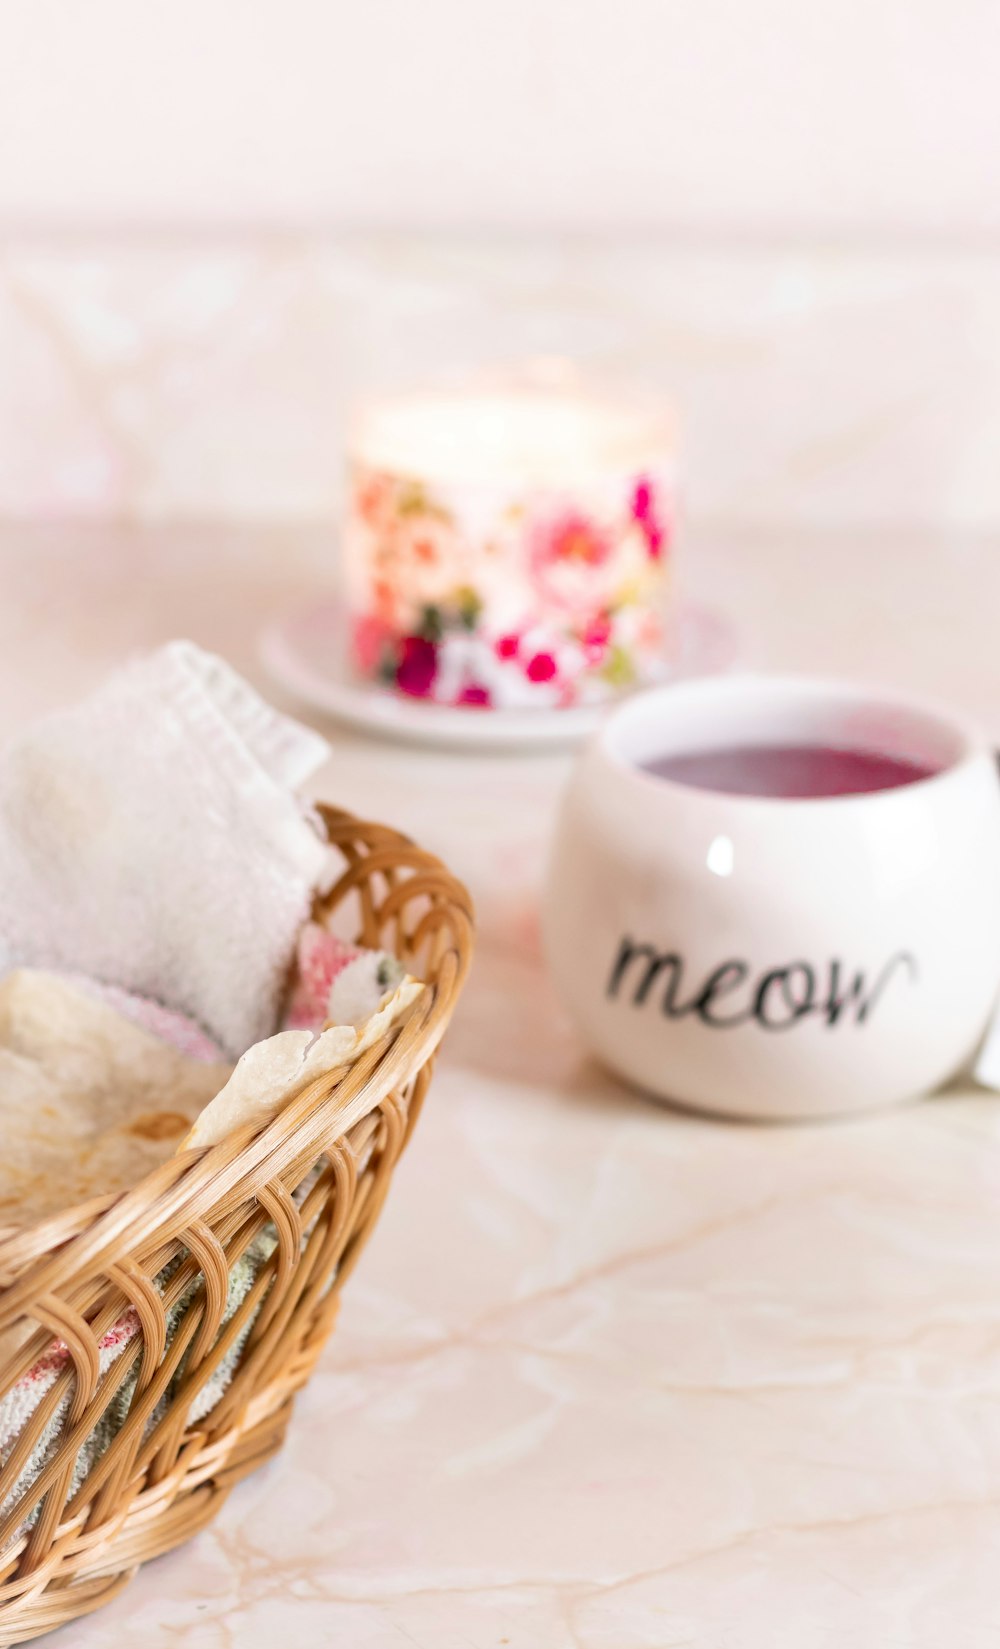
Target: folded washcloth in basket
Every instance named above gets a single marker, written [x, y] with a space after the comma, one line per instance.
[150, 837]
[90, 1101]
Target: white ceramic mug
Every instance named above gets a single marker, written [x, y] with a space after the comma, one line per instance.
[765, 957]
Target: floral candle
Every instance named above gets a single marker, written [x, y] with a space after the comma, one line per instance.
[508, 548]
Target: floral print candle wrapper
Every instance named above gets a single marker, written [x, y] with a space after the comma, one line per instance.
[512, 590]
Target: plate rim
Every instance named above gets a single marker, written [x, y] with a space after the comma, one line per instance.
[359, 704]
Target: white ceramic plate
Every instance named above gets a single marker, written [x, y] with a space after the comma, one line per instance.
[306, 653]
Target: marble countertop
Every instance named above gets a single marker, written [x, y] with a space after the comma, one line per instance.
[608, 1377]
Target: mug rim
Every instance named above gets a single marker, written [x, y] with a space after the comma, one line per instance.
[962, 744]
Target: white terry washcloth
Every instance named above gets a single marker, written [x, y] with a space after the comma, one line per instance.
[150, 837]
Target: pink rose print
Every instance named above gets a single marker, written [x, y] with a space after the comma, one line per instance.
[373, 500]
[426, 560]
[642, 500]
[645, 512]
[372, 637]
[541, 668]
[567, 557]
[476, 694]
[546, 598]
[417, 666]
[597, 638]
[574, 538]
[386, 601]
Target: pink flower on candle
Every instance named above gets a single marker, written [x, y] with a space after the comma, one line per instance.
[372, 638]
[373, 499]
[645, 511]
[385, 601]
[476, 694]
[642, 500]
[542, 667]
[417, 666]
[575, 538]
[567, 557]
[596, 638]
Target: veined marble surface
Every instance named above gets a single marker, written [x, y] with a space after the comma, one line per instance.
[608, 1377]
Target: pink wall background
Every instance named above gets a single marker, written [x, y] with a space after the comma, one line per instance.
[219, 221]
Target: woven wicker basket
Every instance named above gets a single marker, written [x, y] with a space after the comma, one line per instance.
[312, 1185]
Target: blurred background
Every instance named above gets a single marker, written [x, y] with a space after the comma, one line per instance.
[219, 221]
[731, 1384]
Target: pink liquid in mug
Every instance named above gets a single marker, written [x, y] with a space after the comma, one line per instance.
[793, 771]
